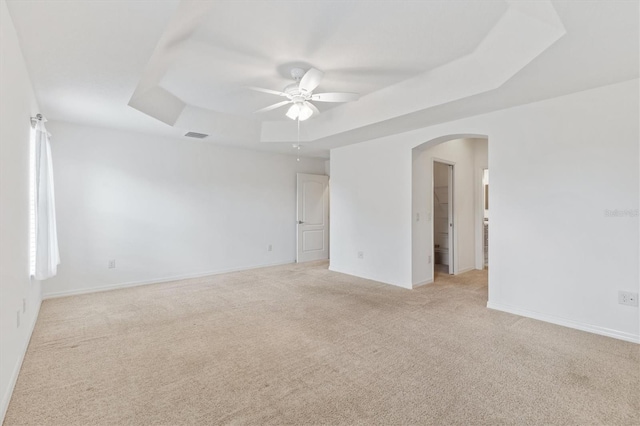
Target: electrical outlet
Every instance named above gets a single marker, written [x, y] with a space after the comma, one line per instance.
[417, 217]
[360, 255]
[112, 264]
[18, 319]
[628, 298]
[269, 247]
[24, 305]
[429, 259]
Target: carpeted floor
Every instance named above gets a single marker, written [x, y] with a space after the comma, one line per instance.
[298, 344]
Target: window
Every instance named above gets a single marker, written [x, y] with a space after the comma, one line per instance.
[32, 201]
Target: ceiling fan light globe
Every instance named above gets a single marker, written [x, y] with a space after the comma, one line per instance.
[305, 112]
[293, 112]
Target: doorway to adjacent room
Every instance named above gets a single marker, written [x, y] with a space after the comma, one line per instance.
[443, 226]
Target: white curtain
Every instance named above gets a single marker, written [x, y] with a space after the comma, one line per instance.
[47, 255]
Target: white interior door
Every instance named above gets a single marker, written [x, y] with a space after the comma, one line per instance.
[313, 217]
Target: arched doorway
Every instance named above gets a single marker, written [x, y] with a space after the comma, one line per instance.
[467, 154]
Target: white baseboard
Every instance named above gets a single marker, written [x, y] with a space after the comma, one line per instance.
[423, 283]
[159, 280]
[617, 334]
[6, 398]
[333, 269]
[462, 271]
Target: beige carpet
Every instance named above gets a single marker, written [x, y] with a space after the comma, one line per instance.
[299, 344]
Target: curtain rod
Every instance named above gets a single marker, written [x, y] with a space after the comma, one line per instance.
[38, 117]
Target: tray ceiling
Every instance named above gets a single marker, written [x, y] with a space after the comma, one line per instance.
[170, 67]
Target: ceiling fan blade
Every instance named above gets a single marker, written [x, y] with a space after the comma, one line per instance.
[274, 106]
[315, 110]
[271, 92]
[311, 80]
[335, 97]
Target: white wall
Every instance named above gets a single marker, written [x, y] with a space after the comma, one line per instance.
[372, 201]
[17, 104]
[470, 157]
[166, 208]
[555, 166]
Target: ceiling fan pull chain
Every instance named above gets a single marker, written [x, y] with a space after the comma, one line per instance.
[298, 147]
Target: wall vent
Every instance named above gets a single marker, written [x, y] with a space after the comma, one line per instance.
[196, 135]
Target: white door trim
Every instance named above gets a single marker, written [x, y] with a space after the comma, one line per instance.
[453, 247]
[312, 217]
[479, 218]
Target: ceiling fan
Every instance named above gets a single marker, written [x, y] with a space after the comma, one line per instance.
[300, 93]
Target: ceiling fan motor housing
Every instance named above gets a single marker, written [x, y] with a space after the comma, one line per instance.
[294, 93]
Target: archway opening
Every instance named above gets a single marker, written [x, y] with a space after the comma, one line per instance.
[448, 223]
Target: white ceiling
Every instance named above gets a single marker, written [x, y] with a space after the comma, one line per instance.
[414, 63]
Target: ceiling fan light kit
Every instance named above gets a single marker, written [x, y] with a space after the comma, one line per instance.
[299, 111]
[300, 94]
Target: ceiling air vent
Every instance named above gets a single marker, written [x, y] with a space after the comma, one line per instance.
[196, 135]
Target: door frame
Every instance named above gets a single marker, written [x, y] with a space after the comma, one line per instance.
[480, 236]
[452, 218]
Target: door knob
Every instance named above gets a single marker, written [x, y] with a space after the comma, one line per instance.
[300, 222]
